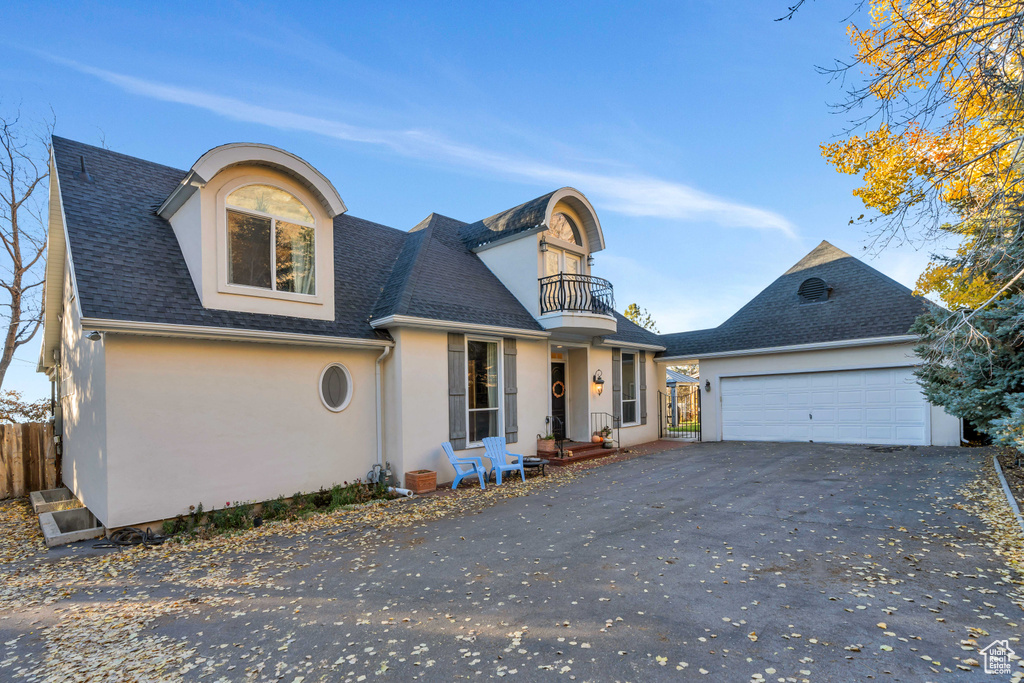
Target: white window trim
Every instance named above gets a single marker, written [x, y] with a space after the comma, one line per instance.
[636, 383]
[320, 387]
[501, 389]
[223, 284]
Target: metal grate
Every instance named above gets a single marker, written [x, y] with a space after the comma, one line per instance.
[813, 289]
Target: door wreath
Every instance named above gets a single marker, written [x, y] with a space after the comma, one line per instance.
[558, 389]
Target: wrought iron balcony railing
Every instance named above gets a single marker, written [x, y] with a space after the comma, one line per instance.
[568, 292]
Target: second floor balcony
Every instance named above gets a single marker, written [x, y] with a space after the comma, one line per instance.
[577, 303]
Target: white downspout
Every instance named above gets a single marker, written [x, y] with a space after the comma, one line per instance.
[380, 407]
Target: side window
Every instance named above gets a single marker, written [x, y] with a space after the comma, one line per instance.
[335, 387]
[482, 389]
[629, 384]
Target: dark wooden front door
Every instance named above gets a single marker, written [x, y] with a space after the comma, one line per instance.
[558, 400]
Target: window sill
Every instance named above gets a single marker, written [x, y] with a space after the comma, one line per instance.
[259, 292]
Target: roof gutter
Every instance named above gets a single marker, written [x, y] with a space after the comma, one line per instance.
[185, 189]
[452, 326]
[612, 344]
[794, 348]
[227, 334]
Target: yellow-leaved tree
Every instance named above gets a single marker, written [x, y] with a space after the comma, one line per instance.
[938, 97]
[937, 137]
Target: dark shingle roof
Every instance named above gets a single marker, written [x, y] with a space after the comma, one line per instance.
[129, 266]
[629, 332]
[439, 278]
[862, 303]
[518, 219]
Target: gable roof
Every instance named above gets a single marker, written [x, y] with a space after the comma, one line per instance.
[129, 267]
[437, 277]
[862, 303]
[673, 377]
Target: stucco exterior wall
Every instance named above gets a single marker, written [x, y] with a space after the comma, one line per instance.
[601, 359]
[194, 421]
[83, 394]
[945, 429]
[517, 264]
[416, 417]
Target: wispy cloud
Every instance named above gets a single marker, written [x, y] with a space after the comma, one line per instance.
[631, 194]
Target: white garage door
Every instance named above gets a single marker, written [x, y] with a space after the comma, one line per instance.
[882, 406]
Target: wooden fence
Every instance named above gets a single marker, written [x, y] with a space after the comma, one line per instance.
[28, 459]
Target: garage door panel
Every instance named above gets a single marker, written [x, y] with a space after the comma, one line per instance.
[823, 397]
[854, 433]
[875, 414]
[879, 396]
[881, 406]
[847, 397]
[850, 415]
[907, 395]
[907, 414]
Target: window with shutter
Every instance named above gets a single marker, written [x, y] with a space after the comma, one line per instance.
[511, 393]
[457, 390]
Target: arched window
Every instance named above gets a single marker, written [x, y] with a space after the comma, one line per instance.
[271, 241]
[564, 228]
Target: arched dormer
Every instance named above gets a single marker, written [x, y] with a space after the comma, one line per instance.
[256, 226]
[535, 216]
[578, 204]
[540, 250]
[254, 154]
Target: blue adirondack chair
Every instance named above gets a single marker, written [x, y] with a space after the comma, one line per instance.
[473, 462]
[496, 451]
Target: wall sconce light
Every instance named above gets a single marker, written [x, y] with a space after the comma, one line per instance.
[707, 385]
[94, 336]
[543, 244]
[590, 260]
[598, 383]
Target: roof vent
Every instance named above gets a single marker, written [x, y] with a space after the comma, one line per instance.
[813, 289]
[83, 174]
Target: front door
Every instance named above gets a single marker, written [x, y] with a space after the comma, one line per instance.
[559, 428]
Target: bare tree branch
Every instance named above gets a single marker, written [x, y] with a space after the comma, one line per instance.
[24, 160]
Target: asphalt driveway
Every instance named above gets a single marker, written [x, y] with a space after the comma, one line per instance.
[786, 561]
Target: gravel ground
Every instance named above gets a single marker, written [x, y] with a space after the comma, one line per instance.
[723, 562]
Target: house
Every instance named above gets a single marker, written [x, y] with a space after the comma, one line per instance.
[822, 354]
[230, 332]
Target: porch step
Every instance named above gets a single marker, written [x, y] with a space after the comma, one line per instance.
[578, 451]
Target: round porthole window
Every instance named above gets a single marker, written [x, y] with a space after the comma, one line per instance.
[335, 387]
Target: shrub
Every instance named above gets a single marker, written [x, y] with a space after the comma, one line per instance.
[321, 499]
[276, 509]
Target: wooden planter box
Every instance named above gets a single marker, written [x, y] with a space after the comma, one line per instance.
[546, 447]
[421, 481]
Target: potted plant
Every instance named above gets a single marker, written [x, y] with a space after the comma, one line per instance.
[606, 436]
[421, 481]
[546, 444]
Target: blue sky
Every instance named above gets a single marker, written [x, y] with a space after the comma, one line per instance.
[693, 127]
